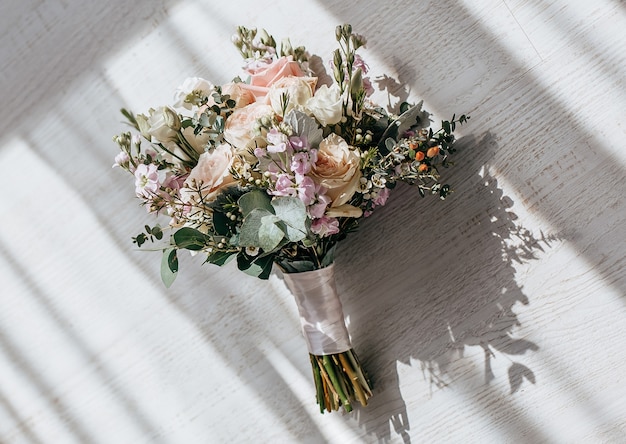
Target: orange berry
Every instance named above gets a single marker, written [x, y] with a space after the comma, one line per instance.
[432, 152]
[423, 167]
[413, 145]
[419, 156]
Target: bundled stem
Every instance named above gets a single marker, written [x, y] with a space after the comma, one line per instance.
[339, 381]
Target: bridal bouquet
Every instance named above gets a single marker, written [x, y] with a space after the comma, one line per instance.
[277, 168]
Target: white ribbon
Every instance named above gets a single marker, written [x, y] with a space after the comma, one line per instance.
[321, 314]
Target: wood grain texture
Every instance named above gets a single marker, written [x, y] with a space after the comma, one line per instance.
[495, 316]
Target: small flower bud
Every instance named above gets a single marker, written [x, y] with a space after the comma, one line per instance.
[356, 84]
[171, 118]
[286, 48]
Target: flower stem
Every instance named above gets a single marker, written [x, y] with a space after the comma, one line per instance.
[328, 366]
[339, 381]
[317, 377]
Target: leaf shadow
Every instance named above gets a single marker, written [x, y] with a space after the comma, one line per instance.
[437, 277]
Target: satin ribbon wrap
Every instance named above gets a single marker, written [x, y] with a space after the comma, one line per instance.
[321, 314]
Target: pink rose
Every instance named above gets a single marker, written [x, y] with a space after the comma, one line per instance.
[264, 75]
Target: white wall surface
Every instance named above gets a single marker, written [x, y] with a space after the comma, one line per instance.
[496, 316]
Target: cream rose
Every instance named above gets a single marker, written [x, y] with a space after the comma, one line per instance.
[162, 124]
[198, 142]
[337, 169]
[326, 105]
[239, 130]
[298, 90]
[211, 175]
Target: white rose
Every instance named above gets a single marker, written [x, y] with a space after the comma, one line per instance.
[337, 169]
[326, 105]
[297, 89]
[163, 124]
[192, 85]
[211, 174]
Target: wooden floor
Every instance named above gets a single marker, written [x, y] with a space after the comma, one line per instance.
[497, 316]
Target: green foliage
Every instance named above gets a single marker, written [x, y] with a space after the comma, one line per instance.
[249, 234]
[169, 266]
[255, 199]
[190, 239]
[269, 222]
[151, 234]
[220, 257]
[292, 212]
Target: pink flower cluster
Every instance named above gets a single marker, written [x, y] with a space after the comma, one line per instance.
[288, 162]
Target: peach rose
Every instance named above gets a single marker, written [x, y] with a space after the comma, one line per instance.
[337, 169]
[239, 94]
[239, 129]
[211, 175]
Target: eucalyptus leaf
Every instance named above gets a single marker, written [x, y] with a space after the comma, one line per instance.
[292, 212]
[390, 144]
[249, 234]
[169, 266]
[190, 239]
[265, 263]
[270, 233]
[255, 199]
[221, 223]
[243, 262]
[298, 266]
[220, 257]
[254, 270]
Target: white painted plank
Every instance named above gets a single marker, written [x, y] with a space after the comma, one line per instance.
[495, 316]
